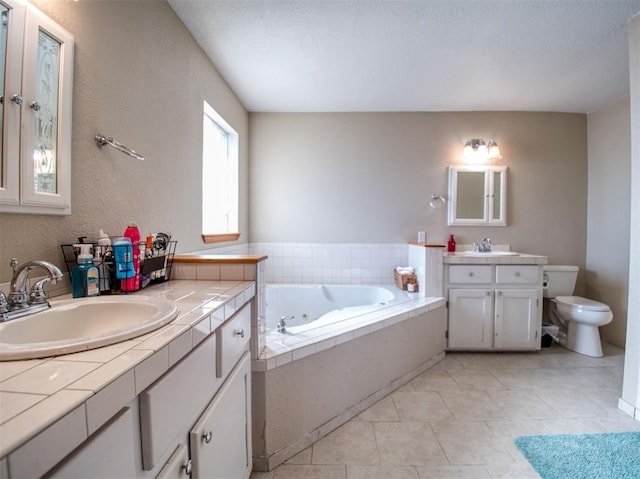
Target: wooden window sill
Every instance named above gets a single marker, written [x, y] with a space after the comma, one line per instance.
[220, 238]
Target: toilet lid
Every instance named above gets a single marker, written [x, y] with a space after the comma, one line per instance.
[583, 303]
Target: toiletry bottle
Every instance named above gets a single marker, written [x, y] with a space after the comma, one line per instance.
[123, 257]
[100, 259]
[133, 283]
[84, 276]
[451, 244]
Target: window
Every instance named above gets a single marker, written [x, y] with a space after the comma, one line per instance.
[219, 179]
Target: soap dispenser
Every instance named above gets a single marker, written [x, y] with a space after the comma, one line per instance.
[84, 276]
[451, 244]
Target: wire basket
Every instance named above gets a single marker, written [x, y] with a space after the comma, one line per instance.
[155, 265]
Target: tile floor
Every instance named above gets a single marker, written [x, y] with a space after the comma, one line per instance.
[458, 420]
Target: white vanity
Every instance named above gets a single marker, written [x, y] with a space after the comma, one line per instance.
[494, 302]
[174, 402]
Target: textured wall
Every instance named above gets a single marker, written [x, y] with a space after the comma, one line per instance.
[367, 177]
[139, 77]
[607, 270]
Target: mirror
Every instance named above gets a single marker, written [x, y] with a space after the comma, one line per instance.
[477, 196]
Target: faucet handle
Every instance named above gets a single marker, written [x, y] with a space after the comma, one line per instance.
[38, 295]
[4, 304]
[14, 264]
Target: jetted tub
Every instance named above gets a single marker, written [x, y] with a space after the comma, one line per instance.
[346, 347]
[307, 306]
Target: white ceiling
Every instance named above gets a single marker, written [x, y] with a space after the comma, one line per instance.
[421, 55]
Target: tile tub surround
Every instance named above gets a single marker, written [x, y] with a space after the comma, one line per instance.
[304, 391]
[60, 401]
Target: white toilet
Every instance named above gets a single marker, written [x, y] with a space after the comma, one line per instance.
[582, 316]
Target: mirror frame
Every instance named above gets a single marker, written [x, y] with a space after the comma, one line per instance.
[487, 200]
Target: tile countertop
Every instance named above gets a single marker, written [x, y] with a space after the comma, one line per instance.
[94, 385]
[521, 258]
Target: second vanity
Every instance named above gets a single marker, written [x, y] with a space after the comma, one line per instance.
[494, 302]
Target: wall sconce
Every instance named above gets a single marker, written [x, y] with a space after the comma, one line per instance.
[436, 201]
[476, 150]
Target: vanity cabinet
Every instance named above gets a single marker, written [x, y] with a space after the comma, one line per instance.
[494, 307]
[35, 140]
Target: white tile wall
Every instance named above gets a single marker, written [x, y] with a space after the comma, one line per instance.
[336, 263]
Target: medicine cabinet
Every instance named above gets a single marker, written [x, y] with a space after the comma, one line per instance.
[477, 196]
[35, 111]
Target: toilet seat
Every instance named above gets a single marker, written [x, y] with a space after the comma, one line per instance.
[582, 303]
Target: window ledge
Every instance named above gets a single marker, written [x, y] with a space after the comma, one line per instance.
[220, 238]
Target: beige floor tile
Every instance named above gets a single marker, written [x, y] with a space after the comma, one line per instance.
[523, 404]
[303, 457]
[406, 387]
[476, 379]
[434, 380]
[572, 403]
[408, 443]
[453, 472]
[472, 406]
[420, 406]
[293, 471]
[512, 471]
[471, 443]
[262, 475]
[383, 410]
[352, 443]
[382, 472]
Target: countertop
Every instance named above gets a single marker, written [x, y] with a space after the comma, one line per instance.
[79, 392]
[521, 258]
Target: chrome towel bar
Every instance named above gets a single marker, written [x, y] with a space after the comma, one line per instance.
[101, 141]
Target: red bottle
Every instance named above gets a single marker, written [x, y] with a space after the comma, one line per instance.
[133, 233]
[451, 244]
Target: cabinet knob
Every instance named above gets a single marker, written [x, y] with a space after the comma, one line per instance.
[487, 293]
[17, 99]
[499, 293]
[471, 274]
[207, 437]
[240, 333]
[35, 106]
[517, 274]
[188, 467]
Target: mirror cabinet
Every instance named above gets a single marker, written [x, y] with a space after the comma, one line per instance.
[477, 196]
[35, 112]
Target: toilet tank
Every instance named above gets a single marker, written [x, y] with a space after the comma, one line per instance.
[559, 280]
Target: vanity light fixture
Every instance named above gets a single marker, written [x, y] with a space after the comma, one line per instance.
[477, 150]
[437, 201]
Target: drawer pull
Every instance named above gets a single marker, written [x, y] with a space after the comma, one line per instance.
[240, 333]
[188, 467]
[517, 274]
[471, 274]
[207, 437]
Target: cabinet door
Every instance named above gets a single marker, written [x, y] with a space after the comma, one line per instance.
[516, 319]
[221, 439]
[470, 319]
[178, 466]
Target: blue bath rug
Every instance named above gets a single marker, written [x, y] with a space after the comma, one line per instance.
[583, 456]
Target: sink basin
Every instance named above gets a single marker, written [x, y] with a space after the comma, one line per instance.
[490, 253]
[80, 324]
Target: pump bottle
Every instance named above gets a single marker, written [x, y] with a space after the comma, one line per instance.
[84, 276]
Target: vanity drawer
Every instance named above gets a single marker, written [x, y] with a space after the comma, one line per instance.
[468, 274]
[169, 403]
[233, 339]
[517, 274]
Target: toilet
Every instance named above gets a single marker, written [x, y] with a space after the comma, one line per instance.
[582, 316]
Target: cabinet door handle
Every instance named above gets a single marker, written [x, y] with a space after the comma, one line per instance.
[35, 106]
[207, 437]
[17, 99]
[240, 333]
[188, 467]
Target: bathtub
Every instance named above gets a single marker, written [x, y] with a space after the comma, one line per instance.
[306, 306]
[346, 347]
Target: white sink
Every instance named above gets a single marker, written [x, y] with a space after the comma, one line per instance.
[490, 254]
[80, 324]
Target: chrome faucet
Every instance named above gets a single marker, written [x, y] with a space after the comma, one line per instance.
[282, 324]
[20, 303]
[484, 246]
